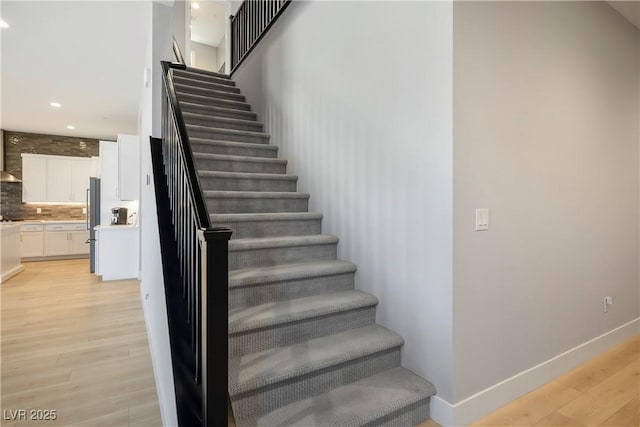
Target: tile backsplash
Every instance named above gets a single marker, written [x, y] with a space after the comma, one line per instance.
[16, 143]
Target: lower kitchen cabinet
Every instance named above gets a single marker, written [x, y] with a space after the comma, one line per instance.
[54, 240]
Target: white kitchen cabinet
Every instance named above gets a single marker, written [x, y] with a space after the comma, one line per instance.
[56, 179]
[81, 170]
[128, 167]
[31, 240]
[34, 178]
[78, 242]
[66, 239]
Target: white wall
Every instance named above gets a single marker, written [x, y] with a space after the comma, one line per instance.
[371, 141]
[206, 56]
[546, 130]
[152, 287]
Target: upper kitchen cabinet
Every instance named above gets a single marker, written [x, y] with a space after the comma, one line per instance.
[34, 178]
[57, 179]
[128, 170]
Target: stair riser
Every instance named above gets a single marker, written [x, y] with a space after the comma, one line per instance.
[194, 90]
[234, 166]
[253, 229]
[203, 84]
[284, 255]
[213, 148]
[204, 77]
[233, 184]
[213, 102]
[211, 133]
[212, 122]
[220, 112]
[238, 205]
[284, 290]
[408, 416]
[263, 400]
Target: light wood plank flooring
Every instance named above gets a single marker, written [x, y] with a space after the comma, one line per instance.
[604, 391]
[74, 344]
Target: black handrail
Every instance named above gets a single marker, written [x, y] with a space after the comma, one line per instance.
[250, 23]
[177, 52]
[201, 265]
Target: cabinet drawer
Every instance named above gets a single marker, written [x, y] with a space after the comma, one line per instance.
[66, 226]
[31, 227]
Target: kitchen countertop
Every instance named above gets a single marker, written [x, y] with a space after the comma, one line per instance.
[115, 227]
[50, 221]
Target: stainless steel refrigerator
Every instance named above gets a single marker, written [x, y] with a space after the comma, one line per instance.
[93, 218]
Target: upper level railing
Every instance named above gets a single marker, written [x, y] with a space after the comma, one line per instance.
[202, 261]
[250, 24]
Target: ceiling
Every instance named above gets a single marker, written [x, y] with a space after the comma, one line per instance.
[208, 21]
[628, 9]
[88, 56]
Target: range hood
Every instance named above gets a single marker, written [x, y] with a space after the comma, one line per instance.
[4, 175]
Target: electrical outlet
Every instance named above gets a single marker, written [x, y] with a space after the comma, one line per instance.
[606, 303]
[38, 211]
[84, 211]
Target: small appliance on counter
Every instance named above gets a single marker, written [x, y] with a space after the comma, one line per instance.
[119, 216]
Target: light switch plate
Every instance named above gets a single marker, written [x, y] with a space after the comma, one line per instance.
[482, 219]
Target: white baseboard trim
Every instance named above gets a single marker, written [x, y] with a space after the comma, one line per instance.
[484, 402]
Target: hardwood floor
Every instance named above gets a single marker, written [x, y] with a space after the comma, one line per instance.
[76, 345]
[604, 391]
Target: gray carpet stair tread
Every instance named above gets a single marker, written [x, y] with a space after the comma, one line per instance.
[275, 313]
[193, 98]
[213, 109]
[232, 143]
[281, 241]
[256, 370]
[190, 81]
[286, 272]
[228, 131]
[246, 159]
[256, 194]
[354, 404]
[212, 93]
[251, 217]
[205, 72]
[247, 175]
[188, 116]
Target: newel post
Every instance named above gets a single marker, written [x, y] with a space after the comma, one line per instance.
[215, 328]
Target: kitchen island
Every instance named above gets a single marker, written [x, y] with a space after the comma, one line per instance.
[9, 251]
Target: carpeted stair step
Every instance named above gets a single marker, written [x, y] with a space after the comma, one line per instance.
[270, 251]
[262, 382]
[392, 398]
[282, 323]
[209, 93]
[204, 75]
[212, 102]
[205, 84]
[226, 163]
[222, 122]
[239, 181]
[247, 226]
[206, 132]
[233, 148]
[220, 202]
[253, 286]
[188, 107]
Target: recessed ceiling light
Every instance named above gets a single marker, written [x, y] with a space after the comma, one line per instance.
[195, 5]
[3, 24]
[70, 127]
[55, 104]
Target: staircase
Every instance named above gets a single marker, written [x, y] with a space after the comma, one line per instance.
[304, 348]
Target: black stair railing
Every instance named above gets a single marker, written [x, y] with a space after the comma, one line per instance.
[197, 295]
[250, 23]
